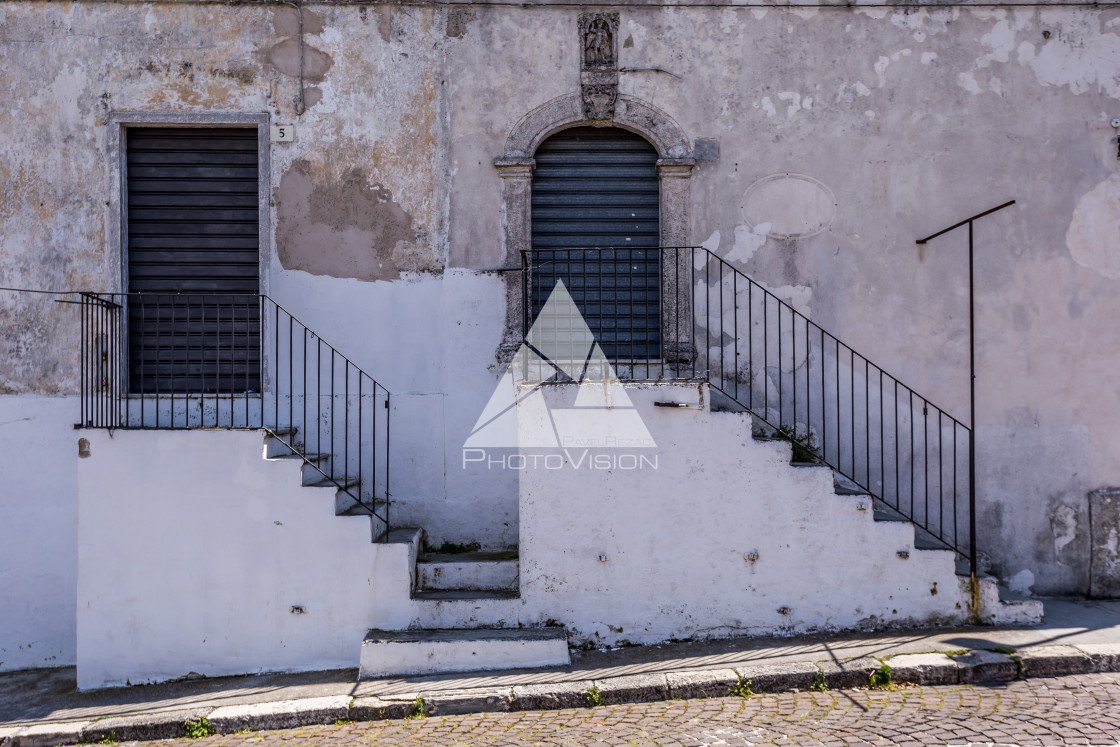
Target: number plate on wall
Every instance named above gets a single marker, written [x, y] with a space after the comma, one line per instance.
[283, 133]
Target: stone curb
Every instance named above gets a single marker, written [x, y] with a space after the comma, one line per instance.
[918, 669]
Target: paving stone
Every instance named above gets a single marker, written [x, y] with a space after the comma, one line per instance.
[378, 709]
[635, 688]
[853, 673]
[548, 697]
[165, 725]
[708, 683]
[770, 678]
[986, 666]
[924, 669]
[478, 700]
[48, 735]
[283, 714]
[1054, 661]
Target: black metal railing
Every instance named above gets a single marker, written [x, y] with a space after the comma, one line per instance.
[799, 381]
[237, 361]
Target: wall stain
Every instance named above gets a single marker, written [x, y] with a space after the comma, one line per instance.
[385, 22]
[457, 21]
[284, 58]
[345, 229]
[285, 21]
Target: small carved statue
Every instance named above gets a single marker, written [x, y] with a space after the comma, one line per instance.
[598, 46]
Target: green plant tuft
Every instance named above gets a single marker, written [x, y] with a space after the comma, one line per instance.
[819, 685]
[804, 445]
[197, 728]
[418, 707]
[111, 738]
[956, 652]
[594, 697]
[455, 548]
[883, 678]
[1004, 650]
[742, 689]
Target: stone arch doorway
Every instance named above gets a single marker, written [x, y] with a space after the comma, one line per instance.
[595, 224]
[674, 170]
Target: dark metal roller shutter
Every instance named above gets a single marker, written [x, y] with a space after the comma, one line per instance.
[193, 245]
[598, 187]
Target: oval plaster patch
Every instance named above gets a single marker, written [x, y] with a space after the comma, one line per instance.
[794, 205]
[1093, 237]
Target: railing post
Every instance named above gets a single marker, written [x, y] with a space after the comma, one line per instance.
[971, 407]
[388, 461]
[971, 373]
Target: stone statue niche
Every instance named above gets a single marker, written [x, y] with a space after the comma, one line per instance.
[598, 32]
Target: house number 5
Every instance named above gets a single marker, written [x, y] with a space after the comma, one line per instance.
[283, 133]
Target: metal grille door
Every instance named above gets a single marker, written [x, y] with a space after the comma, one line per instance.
[598, 187]
[193, 245]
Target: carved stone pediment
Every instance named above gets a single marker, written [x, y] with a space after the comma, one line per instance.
[599, 101]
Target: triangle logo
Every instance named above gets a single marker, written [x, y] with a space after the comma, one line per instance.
[559, 347]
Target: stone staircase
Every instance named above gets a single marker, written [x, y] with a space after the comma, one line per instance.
[283, 444]
[992, 603]
[464, 601]
[456, 609]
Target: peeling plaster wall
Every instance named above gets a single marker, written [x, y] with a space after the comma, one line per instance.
[385, 210]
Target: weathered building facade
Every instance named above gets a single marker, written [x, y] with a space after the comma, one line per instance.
[808, 147]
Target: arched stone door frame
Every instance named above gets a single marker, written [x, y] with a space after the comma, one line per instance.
[674, 168]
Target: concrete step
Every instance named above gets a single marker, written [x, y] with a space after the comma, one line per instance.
[923, 540]
[1000, 606]
[316, 469]
[410, 652]
[883, 512]
[313, 465]
[455, 595]
[276, 442]
[844, 486]
[342, 481]
[345, 504]
[468, 571]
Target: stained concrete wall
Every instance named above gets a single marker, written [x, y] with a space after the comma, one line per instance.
[901, 121]
[38, 531]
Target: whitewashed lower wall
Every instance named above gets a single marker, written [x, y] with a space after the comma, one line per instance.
[195, 554]
[724, 537]
[38, 531]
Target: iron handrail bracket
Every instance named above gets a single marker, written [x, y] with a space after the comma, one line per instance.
[989, 211]
[971, 366]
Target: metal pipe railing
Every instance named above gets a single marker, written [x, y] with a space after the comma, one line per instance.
[236, 361]
[799, 381]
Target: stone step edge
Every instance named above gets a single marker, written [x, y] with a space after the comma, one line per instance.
[919, 669]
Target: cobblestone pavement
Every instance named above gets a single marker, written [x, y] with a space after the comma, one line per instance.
[1047, 711]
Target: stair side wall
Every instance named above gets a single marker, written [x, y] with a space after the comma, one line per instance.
[197, 555]
[723, 537]
[38, 531]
